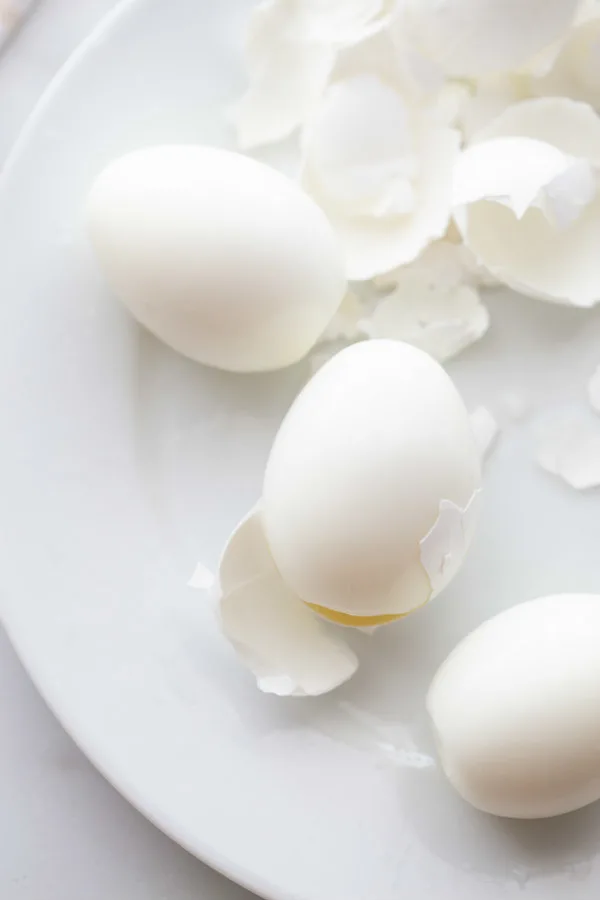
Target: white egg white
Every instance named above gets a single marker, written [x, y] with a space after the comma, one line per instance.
[220, 256]
[359, 474]
[515, 709]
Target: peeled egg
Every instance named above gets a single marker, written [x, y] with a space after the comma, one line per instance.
[515, 709]
[368, 508]
[369, 491]
[220, 256]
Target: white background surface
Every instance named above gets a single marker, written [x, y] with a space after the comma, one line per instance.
[65, 834]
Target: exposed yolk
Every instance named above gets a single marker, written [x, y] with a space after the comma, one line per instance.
[354, 621]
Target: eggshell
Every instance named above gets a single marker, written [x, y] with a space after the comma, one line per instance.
[381, 168]
[488, 98]
[570, 448]
[431, 309]
[220, 256]
[515, 709]
[469, 38]
[527, 202]
[341, 22]
[357, 476]
[575, 72]
[594, 390]
[286, 78]
[291, 49]
[445, 545]
[287, 647]
[202, 578]
[486, 430]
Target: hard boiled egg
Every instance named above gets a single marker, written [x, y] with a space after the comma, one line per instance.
[360, 472]
[515, 709]
[220, 256]
[368, 508]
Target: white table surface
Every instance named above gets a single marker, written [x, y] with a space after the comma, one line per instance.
[65, 834]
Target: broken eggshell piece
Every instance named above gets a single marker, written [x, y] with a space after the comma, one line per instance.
[444, 548]
[526, 200]
[275, 635]
[575, 72]
[594, 390]
[431, 304]
[381, 169]
[570, 448]
[487, 98]
[291, 49]
[485, 429]
[470, 38]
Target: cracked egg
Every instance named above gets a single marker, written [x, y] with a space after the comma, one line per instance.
[368, 507]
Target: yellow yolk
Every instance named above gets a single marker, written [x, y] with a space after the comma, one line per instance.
[354, 621]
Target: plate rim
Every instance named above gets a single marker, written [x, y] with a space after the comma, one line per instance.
[224, 866]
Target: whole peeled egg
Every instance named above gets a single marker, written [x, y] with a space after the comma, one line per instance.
[376, 453]
[220, 256]
[516, 709]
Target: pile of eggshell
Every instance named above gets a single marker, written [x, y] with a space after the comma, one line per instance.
[454, 145]
[446, 145]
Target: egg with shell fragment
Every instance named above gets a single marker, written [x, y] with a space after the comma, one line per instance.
[368, 508]
[220, 256]
[371, 485]
[515, 709]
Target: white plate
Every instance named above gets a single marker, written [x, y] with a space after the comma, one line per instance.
[123, 464]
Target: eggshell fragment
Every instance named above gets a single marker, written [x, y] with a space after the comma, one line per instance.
[356, 475]
[445, 546]
[527, 202]
[515, 709]
[202, 578]
[486, 430]
[382, 171]
[440, 320]
[489, 97]
[290, 53]
[575, 71]
[521, 173]
[434, 303]
[571, 127]
[285, 86]
[360, 148]
[220, 256]
[470, 38]
[594, 390]
[282, 642]
[571, 450]
[287, 647]
[447, 263]
[246, 555]
[340, 22]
